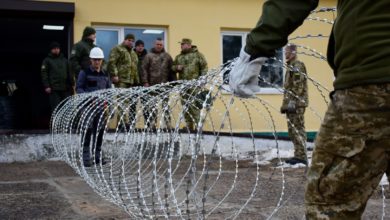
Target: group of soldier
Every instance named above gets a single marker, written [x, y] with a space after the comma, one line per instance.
[128, 66]
[131, 65]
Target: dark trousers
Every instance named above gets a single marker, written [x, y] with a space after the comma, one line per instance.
[56, 96]
[94, 131]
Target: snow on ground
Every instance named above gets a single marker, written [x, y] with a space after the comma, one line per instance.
[384, 181]
[39, 147]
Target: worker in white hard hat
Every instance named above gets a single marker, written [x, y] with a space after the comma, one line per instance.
[89, 80]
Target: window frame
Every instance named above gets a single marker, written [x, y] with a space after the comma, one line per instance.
[110, 28]
[121, 31]
[263, 90]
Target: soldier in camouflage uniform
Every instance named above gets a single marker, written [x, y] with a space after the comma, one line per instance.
[295, 101]
[122, 66]
[190, 64]
[79, 56]
[157, 69]
[352, 148]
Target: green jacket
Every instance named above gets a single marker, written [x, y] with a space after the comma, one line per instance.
[360, 52]
[55, 73]
[359, 46]
[194, 63]
[295, 84]
[123, 63]
[79, 56]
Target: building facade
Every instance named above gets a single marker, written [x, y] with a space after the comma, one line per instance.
[218, 28]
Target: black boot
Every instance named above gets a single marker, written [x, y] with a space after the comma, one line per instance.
[294, 160]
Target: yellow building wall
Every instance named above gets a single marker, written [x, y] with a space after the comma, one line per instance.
[203, 21]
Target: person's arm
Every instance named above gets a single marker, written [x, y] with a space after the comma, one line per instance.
[278, 20]
[112, 64]
[300, 83]
[81, 82]
[74, 61]
[171, 73]
[176, 67]
[135, 60]
[45, 76]
[203, 64]
[69, 78]
[145, 71]
[109, 83]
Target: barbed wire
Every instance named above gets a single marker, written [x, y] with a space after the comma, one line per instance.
[154, 164]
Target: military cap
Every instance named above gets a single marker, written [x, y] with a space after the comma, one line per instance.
[186, 41]
[88, 31]
[129, 36]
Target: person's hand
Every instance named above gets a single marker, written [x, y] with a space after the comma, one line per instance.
[244, 77]
[73, 90]
[48, 90]
[283, 109]
[291, 107]
[115, 79]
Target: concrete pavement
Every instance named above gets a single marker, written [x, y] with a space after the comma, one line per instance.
[50, 190]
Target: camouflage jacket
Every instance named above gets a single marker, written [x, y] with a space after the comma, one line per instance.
[194, 63]
[157, 68]
[55, 73]
[79, 56]
[123, 63]
[295, 84]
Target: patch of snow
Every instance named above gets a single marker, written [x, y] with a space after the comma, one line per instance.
[384, 180]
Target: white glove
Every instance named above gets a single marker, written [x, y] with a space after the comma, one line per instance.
[244, 77]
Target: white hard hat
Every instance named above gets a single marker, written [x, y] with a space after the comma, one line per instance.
[96, 53]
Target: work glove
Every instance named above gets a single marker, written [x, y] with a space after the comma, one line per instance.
[291, 107]
[244, 77]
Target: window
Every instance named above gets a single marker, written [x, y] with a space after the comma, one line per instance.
[271, 74]
[106, 39]
[146, 35]
[109, 37]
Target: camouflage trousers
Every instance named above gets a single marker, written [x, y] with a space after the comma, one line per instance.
[150, 111]
[351, 154]
[127, 111]
[297, 133]
[193, 105]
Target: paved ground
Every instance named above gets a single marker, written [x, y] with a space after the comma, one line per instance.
[51, 190]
